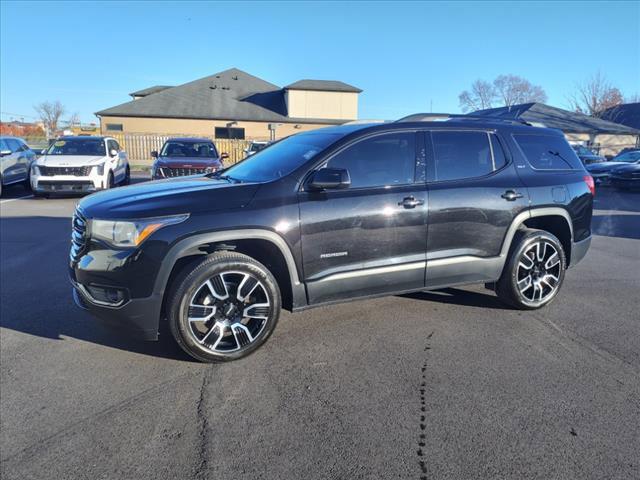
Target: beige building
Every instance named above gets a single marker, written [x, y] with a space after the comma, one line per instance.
[233, 104]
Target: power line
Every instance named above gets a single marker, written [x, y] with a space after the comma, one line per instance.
[18, 115]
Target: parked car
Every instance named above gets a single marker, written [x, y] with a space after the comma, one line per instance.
[626, 176]
[15, 162]
[80, 165]
[180, 157]
[331, 215]
[587, 156]
[255, 147]
[601, 171]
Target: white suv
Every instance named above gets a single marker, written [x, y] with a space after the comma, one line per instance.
[80, 165]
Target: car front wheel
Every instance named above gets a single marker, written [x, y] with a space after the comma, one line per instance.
[224, 307]
[534, 271]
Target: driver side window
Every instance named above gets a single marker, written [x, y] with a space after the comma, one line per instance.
[379, 161]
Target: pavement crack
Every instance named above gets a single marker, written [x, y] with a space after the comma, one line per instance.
[422, 462]
[203, 422]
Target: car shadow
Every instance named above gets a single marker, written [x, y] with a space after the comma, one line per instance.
[456, 296]
[35, 293]
[617, 225]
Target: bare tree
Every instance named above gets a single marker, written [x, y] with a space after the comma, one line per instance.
[74, 119]
[595, 95]
[481, 96]
[50, 113]
[634, 98]
[512, 90]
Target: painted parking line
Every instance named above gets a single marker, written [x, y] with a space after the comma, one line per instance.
[14, 199]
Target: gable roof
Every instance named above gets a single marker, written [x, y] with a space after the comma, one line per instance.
[626, 114]
[229, 95]
[323, 86]
[553, 117]
[149, 90]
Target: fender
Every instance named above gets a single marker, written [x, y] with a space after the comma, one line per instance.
[186, 247]
[532, 213]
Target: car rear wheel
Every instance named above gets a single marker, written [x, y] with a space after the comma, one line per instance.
[110, 181]
[534, 271]
[224, 307]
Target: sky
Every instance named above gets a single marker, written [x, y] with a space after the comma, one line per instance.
[407, 57]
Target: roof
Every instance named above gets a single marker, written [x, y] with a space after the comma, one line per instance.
[626, 114]
[82, 137]
[228, 95]
[148, 91]
[189, 139]
[323, 86]
[553, 117]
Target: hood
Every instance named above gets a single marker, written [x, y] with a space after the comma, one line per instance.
[187, 162]
[70, 160]
[168, 197]
[603, 166]
[627, 167]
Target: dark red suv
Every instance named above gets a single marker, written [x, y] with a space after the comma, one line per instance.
[186, 156]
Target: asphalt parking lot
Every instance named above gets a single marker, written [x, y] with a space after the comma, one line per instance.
[437, 385]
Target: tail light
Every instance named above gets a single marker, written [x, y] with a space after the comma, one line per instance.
[588, 179]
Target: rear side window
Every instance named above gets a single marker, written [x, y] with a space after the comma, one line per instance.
[548, 152]
[461, 155]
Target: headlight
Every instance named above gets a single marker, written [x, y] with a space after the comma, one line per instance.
[99, 169]
[130, 233]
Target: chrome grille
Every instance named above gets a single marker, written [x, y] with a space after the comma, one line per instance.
[75, 171]
[180, 172]
[78, 235]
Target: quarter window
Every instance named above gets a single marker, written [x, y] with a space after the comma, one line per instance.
[548, 152]
[383, 160]
[461, 155]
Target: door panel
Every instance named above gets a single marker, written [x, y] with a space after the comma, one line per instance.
[366, 239]
[469, 219]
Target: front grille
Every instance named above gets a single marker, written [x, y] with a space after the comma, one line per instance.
[180, 172]
[74, 171]
[78, 235]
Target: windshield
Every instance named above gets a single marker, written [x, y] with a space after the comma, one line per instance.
[629, 157]
[582, 150]
[281, 158]
[78, 146]
[189, 149]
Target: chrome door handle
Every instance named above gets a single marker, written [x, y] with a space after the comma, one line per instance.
[411, 202]
[511, 195]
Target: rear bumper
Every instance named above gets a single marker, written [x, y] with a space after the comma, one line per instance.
[579, 251]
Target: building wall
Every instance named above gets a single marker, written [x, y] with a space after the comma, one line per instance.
[608, 145]
[184, 126]
[314, 104]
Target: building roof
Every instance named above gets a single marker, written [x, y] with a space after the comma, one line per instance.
[626, 114]
[553, 117]
[148, 91]
[322, 86]
[228, 95]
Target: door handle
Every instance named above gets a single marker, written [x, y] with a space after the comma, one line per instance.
[511, 195]
[411, 202]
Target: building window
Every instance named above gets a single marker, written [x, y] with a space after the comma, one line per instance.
[114, 127]
[230, 133]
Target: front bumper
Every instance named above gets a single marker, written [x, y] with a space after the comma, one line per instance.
[66, 184]
[137, 318]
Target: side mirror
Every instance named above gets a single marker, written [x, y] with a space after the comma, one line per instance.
[223, 156]
[4, 153]
[113, 152]
[330, 179]
[154, 154]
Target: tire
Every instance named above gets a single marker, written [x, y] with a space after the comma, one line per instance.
[0, 186]
[534, 272]
[110, 181]
[213, 328]
[26, 183]
[127, 177]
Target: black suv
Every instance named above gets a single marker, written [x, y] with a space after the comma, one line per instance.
[330, 215]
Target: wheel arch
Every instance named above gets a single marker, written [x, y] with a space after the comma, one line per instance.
[264, 246]
[555, 220]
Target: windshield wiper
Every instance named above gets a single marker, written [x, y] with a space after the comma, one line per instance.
[228, 178]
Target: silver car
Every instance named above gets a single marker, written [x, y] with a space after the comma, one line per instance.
[15, 162]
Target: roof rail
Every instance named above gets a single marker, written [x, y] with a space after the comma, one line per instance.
[435, 117]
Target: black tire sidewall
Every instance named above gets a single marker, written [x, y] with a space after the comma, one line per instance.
[192, 279]
[528, 238]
